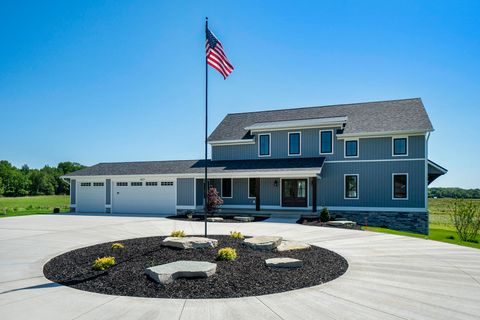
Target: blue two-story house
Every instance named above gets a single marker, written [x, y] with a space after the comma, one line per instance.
[366, 162]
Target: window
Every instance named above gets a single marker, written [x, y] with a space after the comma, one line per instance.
[227, 188]
[166, 183]
[326, 142]
[400, 186]
[400, 146]
[122, 184]
[264, 145]
[351, 186]
[85, 184]
[151, 183]
[252, 188]
[98, 184]
[294, 143]
[136, 184]
[351, 148]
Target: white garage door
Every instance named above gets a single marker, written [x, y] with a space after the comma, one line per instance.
[147, 197]
[91, 197]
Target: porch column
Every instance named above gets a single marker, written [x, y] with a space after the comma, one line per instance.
[314, 194]
[257, 194]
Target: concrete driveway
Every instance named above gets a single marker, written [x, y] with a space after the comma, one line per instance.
[389, 277]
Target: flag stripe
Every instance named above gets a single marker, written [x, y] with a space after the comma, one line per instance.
[216, 56]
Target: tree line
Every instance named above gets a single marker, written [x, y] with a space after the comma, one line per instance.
[18, 182]
[457, 193]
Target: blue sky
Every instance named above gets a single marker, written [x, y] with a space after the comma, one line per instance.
[99, 81]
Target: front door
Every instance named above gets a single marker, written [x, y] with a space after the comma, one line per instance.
[294, 192]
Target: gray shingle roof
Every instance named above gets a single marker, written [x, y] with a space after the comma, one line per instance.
[197, 167]
[380, 116]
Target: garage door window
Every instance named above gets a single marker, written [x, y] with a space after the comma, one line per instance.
[98, 184]
[151, 183]
[167, 183]
[85, 184]
[122, 184]
[136, 184]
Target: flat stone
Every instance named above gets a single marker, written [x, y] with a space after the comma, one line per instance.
[244, 218]
[167, 273]
[342, 224]
[287, 245]
[284, 263]
[263, 242]
[214, 219]
[190, 242]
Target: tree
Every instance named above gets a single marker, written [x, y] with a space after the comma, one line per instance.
[465, 216]
[213, 200]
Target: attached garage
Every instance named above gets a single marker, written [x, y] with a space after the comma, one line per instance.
[145, 197]
[90, 197]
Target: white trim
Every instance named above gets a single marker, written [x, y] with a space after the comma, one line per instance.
[297, 124]
[299, 144]
[393, 185]
[269, 145]
[231, 142]
[406, 146]
[248, 189]
[320, 141]
[345, 148]
[376, 209]
[231, 188]
[307, 190]
[375, 160]
[345, 185]
[381, 134]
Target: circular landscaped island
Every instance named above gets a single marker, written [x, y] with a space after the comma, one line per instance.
[247, 275]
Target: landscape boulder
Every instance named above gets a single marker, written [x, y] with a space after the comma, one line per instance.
[214, 219]
[284, 263]
[167, 273]
[342, 224]
[190, 242]
[263, 242]
[287, 245]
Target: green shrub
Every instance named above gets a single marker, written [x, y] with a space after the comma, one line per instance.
[226, 254]
[324, 215]
[465, 216]
[101, 264]
[177, 233]
[117, 245]
[236, 235]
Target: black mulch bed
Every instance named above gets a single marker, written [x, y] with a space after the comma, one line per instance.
[246, 276]
[226, 219]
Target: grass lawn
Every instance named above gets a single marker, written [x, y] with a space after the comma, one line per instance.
[441, 228]
[20, 206]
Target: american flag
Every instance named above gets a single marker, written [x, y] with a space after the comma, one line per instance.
[216, 56]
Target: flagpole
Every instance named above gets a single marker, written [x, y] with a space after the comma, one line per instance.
[205, 182]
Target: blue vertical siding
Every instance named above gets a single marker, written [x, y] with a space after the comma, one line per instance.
[369, 148]
[73, 191]
[108, 193]
[375, 184]
[185, 192]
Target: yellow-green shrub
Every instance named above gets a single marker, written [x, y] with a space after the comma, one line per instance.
[236, 235]
[226, 254]
[117, 245]
[177, 233]
[103, 263]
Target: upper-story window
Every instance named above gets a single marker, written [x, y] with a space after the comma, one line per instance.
[294, 143]
[351, 148]
[326, 141]
[400, 146]
[400, 186]
[264, 145]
